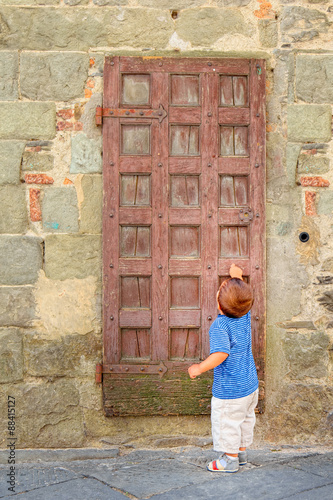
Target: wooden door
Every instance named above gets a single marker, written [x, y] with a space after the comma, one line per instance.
[184, 177]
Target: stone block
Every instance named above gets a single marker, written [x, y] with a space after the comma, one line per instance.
[111, 3]
[325, 203]
[27, 120]
[91, 206]
[302, 412]
[14, 217]
[300, 24]
[29, 2]
[9, 68]
[309, 123]
[283, 264]
[72, 256]
[21, 259]
[68, 306]
[37, 161]
[280, 220]
[72, 355]
[76, 2]
[88, 118]
[86, 155]
[10, 161]
[53, 407]
[314, 78]
[80, 29]
[53, 76]
[170, 4]
[309, 251]
[326, 300]
[17, 306]
[11, 355]
[292, 153]
[204, 26]
[313, 164]
[307, 354]
[60, 211]
[268, 33]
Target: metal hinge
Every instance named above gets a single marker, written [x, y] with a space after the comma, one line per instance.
[101, 113]
[127, 369]
[245, 214]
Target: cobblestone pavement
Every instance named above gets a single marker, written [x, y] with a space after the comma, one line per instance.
[166, 474]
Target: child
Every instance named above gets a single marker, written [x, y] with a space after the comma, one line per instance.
[235, 387]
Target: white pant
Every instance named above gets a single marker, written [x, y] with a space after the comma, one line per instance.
[233, 422]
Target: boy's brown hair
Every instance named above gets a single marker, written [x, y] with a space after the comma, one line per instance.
[235, 297]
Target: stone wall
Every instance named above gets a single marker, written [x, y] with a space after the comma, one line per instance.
[51, 81]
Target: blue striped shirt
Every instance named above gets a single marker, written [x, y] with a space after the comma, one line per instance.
[237, 376]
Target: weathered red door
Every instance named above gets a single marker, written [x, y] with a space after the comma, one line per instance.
[184, 177]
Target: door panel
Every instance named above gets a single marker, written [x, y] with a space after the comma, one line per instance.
[183, 199]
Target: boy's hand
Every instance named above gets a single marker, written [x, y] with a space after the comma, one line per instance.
[235, 272]
[194, 370]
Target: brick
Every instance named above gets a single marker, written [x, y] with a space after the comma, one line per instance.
[60, 211]
[265, 10]
[17, 306]
[35, 206]
[57, 76]
[21, 259]
[10, 161]
[310, 203]
[16, 122]
[11, 355]
[309, 123]
[38, 179]
[72, 256]
[14, 217]
[314, 182]
[65, 114]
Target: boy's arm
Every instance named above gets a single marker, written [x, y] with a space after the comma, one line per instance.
[209, 363]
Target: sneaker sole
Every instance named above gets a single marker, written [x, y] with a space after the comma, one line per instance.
[222, 470]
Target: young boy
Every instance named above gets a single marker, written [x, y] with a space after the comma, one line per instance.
[235, 387]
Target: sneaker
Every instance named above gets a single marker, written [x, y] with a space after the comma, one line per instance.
[242, 457]
[223, 464]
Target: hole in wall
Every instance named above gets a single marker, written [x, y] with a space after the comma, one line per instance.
[304, 237]
[174, 14]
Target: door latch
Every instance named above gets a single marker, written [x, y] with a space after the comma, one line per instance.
[245, 214]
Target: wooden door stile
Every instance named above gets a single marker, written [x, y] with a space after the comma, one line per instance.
[160, 254]
[258, 247]
[111, 142]
[209, 203]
